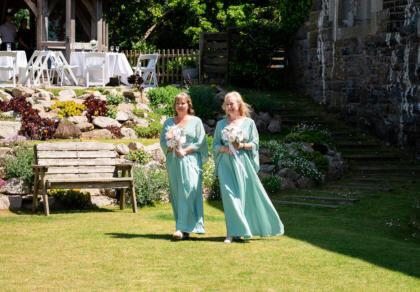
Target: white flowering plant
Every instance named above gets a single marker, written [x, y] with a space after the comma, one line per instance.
[176, 138]
[232, 135]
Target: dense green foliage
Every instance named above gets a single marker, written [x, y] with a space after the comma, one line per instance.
[151, 183]
[310, 134]
[272, 183]
[20, 165]
[138, 156]
[162, 99]
[204, 101]
[72, 199]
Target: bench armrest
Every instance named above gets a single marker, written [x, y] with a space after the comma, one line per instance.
[40, 167]
[125, 164]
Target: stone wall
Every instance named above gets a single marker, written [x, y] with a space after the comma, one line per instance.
[362, 59]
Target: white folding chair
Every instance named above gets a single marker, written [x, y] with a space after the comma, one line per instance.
[148, 72]
[95, 62]
[62, 69]
[37, 69]
[8, 67]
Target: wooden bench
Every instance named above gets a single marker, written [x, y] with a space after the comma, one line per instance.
[80, 165]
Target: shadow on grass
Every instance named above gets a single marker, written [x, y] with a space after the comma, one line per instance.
[168, 237]
[62, 211]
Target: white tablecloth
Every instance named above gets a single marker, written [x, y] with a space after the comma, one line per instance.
[117, 65]
[21, 62]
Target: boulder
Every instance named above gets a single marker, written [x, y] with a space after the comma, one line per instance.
[9, 128]
[84, 127]
[46, 105]
[265, 156]
[67, 130]
[78, 119]
[16, 186]
[4, 96]
[108, 193]
[265, 117]
[140, 97]
[287, 184]
[211, 122]
[122, 149]
[52, 114]
[261, 125]
[306, 147]
[103, 122]
[67, 94]
[274, 126]
[102, 201]
[135, 145]
[42, 96]
[21, 91]
[125, 107]
[122, 116]
[155, 152]
[128, 133]
[288, 173]
[267, 168]
[140, 122]
[10, 202]
[143, 106]
[304, 182]
[97, 134]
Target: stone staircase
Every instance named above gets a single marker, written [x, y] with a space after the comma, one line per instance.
[374, 169]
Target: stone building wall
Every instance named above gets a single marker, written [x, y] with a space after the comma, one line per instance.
[362, 58]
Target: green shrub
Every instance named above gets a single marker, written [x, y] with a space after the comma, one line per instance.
[182, 63]
[72, 199]
[204, 101]
[152, 131]
[111, 111]
[163, 96]
[4, 117]
[210, 181]
[316, 157]
[310, 134]
[68, 108]
[151, 183]
[114, 99]
[271, 183]
[20, 165]
[138, 156]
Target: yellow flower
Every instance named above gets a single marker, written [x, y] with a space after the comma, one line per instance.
[213, 85]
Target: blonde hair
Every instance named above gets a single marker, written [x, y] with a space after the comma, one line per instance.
[184, 96]
[244, 108]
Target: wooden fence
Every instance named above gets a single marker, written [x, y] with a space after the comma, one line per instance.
[168, 59]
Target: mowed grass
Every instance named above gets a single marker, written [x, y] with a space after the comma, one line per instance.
[348, 249]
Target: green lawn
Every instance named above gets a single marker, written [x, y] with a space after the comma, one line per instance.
[348, 249]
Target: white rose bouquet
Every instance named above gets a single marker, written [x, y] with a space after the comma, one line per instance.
[232, 135]
[176, 138]
[93, 44]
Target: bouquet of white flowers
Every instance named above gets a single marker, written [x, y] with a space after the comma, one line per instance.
[176, 138]
[231, 135]
[93, 44]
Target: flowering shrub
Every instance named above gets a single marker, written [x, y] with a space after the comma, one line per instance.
[2, 184]
[95, 107]
[111, 111]
[72, 199]
[151, 183]
[33, 126]
[20, 165]
[284, 154]
[13, 141]
[310, 133]
[68, 108]
[210, 181]
[139, 156]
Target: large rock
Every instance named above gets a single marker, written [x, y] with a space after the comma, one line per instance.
[122, 149]
[137, 96]
[67, 130]
[267, 168]
[78, 119]
[10, 202]
[84, 127]
[135, 145]
[287, 184]
[16, 186]
[274, 126]
[128, 133]
[155, 151]
[67, 94]
[288, 173]
[265, 156]
[4, 96]
[140, 122]
[304, 182]
[122, 116]
[143, 107]
[9, 129]
[46, 105]
[103, 122]
[20, 91]
[126, 107]
[52, 114]
[265, 117]
[102, 201]
[97, 134]
[42, 95]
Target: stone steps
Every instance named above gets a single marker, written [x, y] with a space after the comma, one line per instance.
[306, 204]
[358, 188]
[355, 145]
[370, 157]
[380, 170]
[326, 199]
[381, 180]
[340, 194]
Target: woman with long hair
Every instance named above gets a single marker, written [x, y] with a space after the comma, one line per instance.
[248, 209]
[184, 143]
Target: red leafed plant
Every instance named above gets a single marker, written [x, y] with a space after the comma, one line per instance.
[33, 126]
[116, 131]
[95, 107]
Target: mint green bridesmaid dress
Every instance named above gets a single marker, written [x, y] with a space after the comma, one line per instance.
[185, 176]
[248, 209]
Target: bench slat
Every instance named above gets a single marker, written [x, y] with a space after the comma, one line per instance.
[78, 162]
[78, 176]
[76, 154]
[81, 169]
[74, 146]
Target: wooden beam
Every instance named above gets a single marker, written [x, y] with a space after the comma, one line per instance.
[89, 7]
[99, 24]
[93, 23]
[4, 11]
[33, 7]
[39, 26]
[52, 4]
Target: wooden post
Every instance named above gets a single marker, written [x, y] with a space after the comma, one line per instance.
[35, 198]
[200, 67]
[93, 22]
[70, 26]
[133, 192]
[122, 197]
[99, 24]
[39, 26]
[45, 196]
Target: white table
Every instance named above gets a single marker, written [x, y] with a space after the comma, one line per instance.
[117, 65]
[21, 62]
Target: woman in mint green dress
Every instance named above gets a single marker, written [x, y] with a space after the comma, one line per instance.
[248, 209]
[184, 166]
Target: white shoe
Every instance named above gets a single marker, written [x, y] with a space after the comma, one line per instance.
[228, 239]
[177, 234]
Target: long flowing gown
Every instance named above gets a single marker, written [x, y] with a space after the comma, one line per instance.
[185, 176]
[248, 209]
